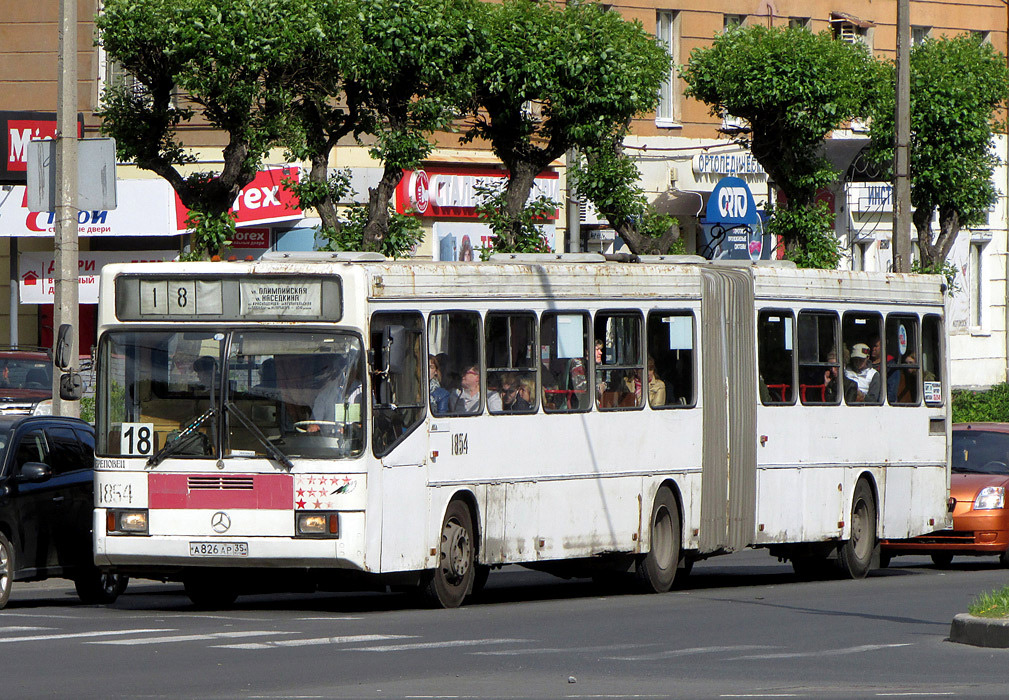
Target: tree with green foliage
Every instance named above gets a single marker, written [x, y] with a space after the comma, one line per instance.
[548, 78]
[793, 88]
[957, 85]
[410, 76]
[608, 178]
[226, 62]
[328, 105]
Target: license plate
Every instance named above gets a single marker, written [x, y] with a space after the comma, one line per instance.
[218, 549]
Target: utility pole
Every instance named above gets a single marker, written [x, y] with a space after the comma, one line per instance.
[65, 301]
[901, 239]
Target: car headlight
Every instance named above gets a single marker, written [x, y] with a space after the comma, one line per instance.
[989, 498]
[43, 408]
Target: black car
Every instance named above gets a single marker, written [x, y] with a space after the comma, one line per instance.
[46, 505]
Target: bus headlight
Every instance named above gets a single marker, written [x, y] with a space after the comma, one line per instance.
[990, 498]
[126, 522]
[317, 524]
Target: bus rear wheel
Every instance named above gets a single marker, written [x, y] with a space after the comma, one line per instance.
[452, 579]
[856, 554]
[656, 571]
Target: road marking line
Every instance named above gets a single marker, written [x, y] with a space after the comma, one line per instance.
[315, 641]
[438, 645]
[688, 652]
[557, 650]
[23, 629]
[190, 637]
[78, 635]
[824, 652]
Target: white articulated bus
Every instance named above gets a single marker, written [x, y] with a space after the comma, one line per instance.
[340, 420]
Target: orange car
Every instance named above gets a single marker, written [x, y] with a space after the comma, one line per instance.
[978, 484]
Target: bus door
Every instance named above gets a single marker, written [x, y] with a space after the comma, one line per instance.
[728, 381]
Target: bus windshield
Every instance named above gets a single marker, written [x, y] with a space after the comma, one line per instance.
[204, 394]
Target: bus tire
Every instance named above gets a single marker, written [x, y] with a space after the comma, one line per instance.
[452, 579]
[99, 587]
[856, 554]
[942, 560]
[210, 593]
[656, 570]
[6, 570]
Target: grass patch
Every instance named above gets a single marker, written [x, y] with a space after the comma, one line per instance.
[992, 604]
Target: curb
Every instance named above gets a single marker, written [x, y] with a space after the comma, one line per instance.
[980, 631]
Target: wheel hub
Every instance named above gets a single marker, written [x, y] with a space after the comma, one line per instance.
[457, 556]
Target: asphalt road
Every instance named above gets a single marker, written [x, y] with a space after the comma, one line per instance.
[741, 627]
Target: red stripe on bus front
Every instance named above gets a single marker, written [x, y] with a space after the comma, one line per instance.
[267, 492]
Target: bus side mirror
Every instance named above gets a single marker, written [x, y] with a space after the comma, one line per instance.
[394, 344]
[64, 342]
[71, 386]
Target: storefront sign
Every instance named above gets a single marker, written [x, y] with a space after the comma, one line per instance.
[870, 196]
[249, 238]
[732, 225]
[264, 200]
[741, 163]
[451, 192]
[16, 130]
[144, 209]
[35, 272]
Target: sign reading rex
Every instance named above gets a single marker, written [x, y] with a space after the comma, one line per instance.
[16, 130]
[262, 201]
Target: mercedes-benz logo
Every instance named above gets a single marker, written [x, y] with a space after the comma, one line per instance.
[220, 521]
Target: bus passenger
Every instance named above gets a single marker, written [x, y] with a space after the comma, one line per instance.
[830, 378]
[656, 387]
[862, 382]
[204, 367]
[525, 390]
[439, 394]
[466, 398]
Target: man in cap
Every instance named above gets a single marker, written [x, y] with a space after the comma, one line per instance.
[862, 381]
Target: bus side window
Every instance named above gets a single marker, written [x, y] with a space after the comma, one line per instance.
[903, 382]
[775, 341]
[670, 359]
[620, 378]
[565, 362]
[819, 361]
[931, 360]
[397, 399]
[453, 339]
[511, 362]
[863, 381]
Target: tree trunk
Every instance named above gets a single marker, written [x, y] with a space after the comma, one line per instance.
[520, 184]
[319, 174]
[930, 254]
[378, 209]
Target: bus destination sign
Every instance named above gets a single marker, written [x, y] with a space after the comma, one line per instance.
[228, 298]
[286, 299]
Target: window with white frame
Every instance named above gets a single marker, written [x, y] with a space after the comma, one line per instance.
[975, 275]
[798, 23]
[667, 29]
[920, 34]
[730, 22]
[851, 29]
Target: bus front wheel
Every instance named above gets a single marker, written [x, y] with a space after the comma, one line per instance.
[856, 554]
[656, 571]
[452, 579]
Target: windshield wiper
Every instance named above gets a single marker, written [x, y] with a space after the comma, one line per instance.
[272, 450]
[182, 438]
